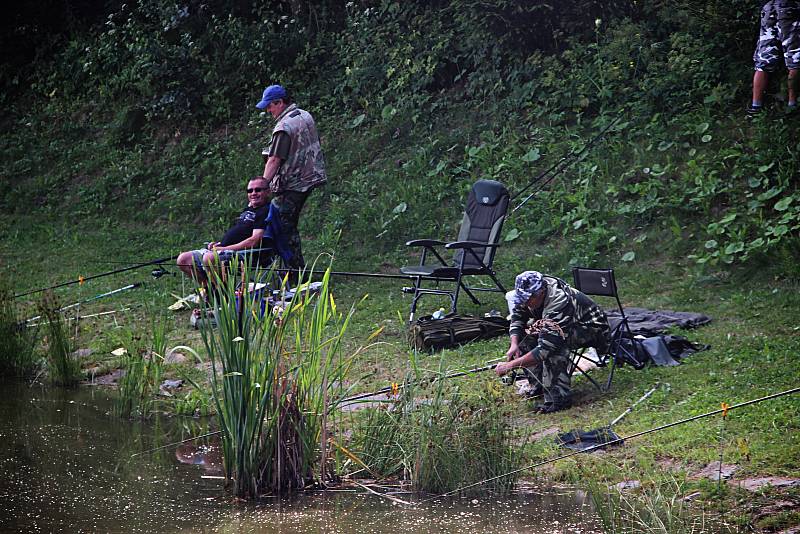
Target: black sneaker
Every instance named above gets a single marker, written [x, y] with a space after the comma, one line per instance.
[534, 391]
[550, 406]
[752, 110]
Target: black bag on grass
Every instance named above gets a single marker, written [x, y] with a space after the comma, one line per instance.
[453, 330]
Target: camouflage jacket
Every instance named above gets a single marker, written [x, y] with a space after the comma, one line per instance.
[304, 167]
[581, 320]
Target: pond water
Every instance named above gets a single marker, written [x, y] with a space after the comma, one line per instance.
[67, 465]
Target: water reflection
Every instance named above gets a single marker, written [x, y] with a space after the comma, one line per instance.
[68, 465]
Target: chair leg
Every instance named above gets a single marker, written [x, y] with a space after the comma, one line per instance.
[415, 298]
[610, 375]
[497, 282]
[471, 294]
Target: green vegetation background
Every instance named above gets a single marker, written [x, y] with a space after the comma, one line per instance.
[130, 129]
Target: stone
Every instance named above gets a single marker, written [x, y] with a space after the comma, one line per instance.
[713, 472]
[757, 483]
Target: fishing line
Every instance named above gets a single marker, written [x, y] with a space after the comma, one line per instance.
[82, 279]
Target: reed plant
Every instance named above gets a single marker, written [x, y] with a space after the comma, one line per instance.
[17, 340]
[450, 440]
[143, 363]
[63, 367]
[275, 382]
[659, 508]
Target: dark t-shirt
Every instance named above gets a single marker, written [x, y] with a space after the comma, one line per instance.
[249, 220]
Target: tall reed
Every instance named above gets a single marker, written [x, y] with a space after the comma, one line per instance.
[62, 366]
[143, 364]
[273, 384]
[17, 341]
[441, 443]
[658, 509]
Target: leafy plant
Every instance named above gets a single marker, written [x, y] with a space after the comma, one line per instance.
[447, 442]
[273, 381]
[63, 367]
[143, 364]
[17, 350]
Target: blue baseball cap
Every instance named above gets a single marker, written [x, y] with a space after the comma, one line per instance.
[526, 285]
[271, 93]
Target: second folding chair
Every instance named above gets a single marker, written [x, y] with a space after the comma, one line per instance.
[601, 282]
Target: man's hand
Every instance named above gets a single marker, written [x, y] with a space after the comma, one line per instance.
[513, 351]
[502, 368]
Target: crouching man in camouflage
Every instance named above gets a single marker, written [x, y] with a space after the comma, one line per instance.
[294, 163]
[549, 319]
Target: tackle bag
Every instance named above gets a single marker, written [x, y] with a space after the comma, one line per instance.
[452, 330]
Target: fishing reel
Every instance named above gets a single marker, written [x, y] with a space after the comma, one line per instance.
[511, 378]
[158, 272]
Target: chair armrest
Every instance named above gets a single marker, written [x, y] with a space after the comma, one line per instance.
[470, 244]
[425, 243]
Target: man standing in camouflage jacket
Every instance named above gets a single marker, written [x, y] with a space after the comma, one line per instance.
[294, 163]
[549, 319]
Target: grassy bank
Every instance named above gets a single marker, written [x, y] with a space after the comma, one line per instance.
[114, 156]
[754, 346]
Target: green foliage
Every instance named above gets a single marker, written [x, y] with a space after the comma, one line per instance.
[659, 508]
[443, 443]
[495, 90]
[63, 367]
[274, 384]
[143, 364]
[196, 403]
[17, 349]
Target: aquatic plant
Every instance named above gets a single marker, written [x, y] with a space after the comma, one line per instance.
[143, 364]
[273, 382]
[659, 508]
[63, 367]
[443, 443]
[18, 341]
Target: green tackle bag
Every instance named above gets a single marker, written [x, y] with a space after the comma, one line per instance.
[452, 330]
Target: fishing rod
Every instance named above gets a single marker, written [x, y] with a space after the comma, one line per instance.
[632, 406]
[388, 389]
[90, 299]
[346, 273]
[567, 161]
[722, 410]
[82, 279]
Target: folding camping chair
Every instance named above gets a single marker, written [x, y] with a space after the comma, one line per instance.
[601, 282]
[478, 239]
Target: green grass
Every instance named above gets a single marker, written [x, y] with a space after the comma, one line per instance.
[18, 358]
[63, 366]
[143, 364]
[276, 382]
[697, 209]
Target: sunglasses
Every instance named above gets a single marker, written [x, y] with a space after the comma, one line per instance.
[256, 190]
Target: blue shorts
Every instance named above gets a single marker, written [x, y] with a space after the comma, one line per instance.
[225, 256]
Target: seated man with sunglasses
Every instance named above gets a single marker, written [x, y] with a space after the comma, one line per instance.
[240, 239]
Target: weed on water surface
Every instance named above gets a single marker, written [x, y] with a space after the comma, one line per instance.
[656, 507]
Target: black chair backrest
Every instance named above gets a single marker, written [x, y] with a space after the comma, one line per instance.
[595, 281]
[484, 214]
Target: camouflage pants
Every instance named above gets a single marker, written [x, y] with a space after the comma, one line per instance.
[552, 374]
[779, 36]
[289, 204]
